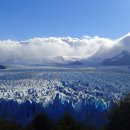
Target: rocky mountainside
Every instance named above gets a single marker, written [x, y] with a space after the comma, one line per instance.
[123, 59]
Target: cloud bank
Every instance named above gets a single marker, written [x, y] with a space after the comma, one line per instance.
[55, 49]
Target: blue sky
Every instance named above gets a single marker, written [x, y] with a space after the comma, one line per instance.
[24, 19]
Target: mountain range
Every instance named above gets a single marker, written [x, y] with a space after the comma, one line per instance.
[122, 59]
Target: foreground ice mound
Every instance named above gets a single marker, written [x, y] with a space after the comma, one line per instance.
[87, 94]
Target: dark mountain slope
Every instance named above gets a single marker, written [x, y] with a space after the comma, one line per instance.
[123, 59]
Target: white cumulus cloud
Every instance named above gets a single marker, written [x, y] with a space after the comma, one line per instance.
[47, 49]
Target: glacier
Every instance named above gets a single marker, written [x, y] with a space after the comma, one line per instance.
[87, 93]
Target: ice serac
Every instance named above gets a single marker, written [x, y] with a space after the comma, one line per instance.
[28, 90]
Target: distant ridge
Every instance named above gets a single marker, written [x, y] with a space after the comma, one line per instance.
[123, 59]
[75, 63]
[2, 67]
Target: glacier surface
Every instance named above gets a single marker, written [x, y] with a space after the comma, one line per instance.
[87, 93]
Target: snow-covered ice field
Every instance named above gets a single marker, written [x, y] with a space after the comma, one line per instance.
[86, 92]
